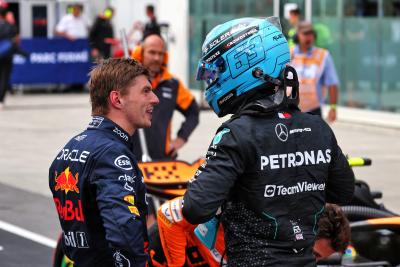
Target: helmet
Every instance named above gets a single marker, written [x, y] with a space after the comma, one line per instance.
[241, 56]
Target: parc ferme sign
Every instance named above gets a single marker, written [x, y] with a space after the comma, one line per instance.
[52, 61]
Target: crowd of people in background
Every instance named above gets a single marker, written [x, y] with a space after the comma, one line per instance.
[100, 33]
[72, 26]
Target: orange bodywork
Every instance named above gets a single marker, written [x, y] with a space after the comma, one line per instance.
[386, 221]
[168, 173]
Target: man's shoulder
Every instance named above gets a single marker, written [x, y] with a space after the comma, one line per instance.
[96, 140]
[102, 147]
[316, 121]
[240, 124]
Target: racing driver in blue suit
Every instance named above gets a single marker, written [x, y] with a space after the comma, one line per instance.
[97, 187]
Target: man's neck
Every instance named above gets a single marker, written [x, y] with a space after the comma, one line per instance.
[120, 120]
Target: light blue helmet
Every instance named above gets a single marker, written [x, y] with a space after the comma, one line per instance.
[240, 56]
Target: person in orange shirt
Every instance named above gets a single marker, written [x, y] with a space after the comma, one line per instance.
[174, 243]
[173, 96]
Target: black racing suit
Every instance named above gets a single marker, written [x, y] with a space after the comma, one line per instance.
[99, 194]
[271, 172]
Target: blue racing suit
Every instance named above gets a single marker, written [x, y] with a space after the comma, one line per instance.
[99, 194]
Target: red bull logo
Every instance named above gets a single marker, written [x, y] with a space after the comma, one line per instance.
[66, 181]
[68, 211]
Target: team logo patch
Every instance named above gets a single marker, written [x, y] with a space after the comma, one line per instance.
[218, 137]
[66, 181]
[282, 132]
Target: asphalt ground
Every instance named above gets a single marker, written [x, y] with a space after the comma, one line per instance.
[33, 128]
[16, 251]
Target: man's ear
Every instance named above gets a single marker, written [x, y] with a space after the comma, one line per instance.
[115, 99]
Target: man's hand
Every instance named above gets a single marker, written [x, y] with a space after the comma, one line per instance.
[331, 115]
[176, 144]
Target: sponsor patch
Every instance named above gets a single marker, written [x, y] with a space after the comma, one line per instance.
[300, 187]
[130, 199]
[129, 180]
[224, 36]
[73, 155]
[121, 134]
[134, 210]
[75, 239]
[123, 162]
[296, 159]
[167, 95]
[69, 211]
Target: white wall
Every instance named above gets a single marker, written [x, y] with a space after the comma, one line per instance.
[176, 13]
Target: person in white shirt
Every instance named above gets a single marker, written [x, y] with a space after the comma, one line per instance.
[73, 26]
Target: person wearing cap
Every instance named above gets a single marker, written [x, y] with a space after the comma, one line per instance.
[316, 71]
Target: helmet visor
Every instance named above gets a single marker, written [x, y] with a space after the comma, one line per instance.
[210, 72]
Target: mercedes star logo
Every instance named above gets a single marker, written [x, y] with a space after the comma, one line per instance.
[281, 132]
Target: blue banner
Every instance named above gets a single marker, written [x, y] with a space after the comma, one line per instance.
[52, 61]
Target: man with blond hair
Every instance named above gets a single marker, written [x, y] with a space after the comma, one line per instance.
[97, 187]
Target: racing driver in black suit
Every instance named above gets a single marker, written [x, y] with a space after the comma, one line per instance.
[270, 168]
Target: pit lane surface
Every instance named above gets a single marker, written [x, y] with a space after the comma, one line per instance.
[19, 251]
[28, 228]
